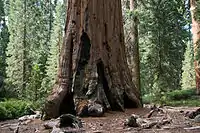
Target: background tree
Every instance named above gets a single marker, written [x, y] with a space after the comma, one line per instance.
[29, 45]
[188, 75]
[162, 40]
[55, 47]
[131, 39]
[38, 30]
[194, 8]
[4, 38]
[16, 47]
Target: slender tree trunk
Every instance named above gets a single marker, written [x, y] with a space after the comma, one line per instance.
[50, 18]
[196, 37]
[94, 53]
[24, 50]
[134, 60]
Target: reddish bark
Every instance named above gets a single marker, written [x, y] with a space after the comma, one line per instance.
[196, 37]
[94, 30]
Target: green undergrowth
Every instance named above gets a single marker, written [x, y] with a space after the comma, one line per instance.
[187, 102]
[185, 97]
[14, 108]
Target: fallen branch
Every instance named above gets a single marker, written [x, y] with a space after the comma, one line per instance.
[157, 124]
[153, 110]
[193, 128]
[150, 113]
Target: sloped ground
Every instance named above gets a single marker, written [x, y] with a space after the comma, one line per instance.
[113, 122]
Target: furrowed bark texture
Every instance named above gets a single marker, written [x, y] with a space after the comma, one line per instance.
[94, 30]
[61, 98]
[196, 42]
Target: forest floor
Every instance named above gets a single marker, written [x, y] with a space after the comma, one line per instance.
[113, 122]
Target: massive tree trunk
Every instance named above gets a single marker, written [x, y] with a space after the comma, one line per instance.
[196, 42]
[93, 63]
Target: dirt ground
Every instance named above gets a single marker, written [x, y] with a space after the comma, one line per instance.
[113, 122]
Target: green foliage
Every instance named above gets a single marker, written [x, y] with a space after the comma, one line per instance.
[16, 48]
[33, 91]
[197, 13]
[4, 38]
[13, 108]
[30, 25]
[181, 94]
[55, 46]
[162, 40]
[188, 75]
[187, 102]
[147, 99]
[38, 40]
[182, 97]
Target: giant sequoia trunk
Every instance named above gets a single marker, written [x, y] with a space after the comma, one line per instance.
[93, 63]
[196, 42]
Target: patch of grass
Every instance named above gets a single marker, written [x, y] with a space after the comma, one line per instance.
[13, 108]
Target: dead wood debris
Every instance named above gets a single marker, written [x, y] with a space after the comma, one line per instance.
[157, 124]
[192, 114]
[157, 117]
[66, 123]
[131, 122]
[193, 128]
[155, 110]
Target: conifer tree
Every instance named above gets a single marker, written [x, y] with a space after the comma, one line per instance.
[162, 40]
[4, 38]
[30, 25]
[16, 47]
[55, 45]
[188, 75]
[40, 18]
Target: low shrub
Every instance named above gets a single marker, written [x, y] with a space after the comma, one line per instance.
[187, 102]
[181, 94]
[13, 108]
[185, 97]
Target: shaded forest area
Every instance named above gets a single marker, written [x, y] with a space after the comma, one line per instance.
[90, 57]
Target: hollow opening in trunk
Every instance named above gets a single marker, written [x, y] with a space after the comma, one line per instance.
[81, 65]
[67, 105]
[129, 103]
[102, 80]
